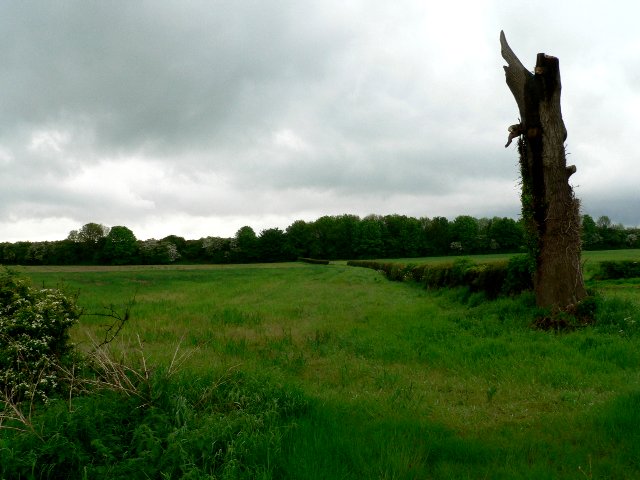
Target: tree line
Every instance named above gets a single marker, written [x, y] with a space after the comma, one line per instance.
[328, 237]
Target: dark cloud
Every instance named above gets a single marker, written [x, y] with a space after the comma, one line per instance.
[201, 115]
[149, 74]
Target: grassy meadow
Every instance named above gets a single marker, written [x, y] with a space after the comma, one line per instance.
[398, 382]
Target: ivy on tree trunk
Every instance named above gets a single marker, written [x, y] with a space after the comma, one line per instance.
[549, 208]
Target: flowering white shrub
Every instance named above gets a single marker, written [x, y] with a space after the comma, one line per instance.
[158, 251]
[34, 337]
[456, 246]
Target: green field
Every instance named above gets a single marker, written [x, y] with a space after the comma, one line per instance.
[399, 382]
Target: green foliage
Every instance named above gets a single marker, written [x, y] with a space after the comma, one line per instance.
[492, 279]
[34, 338]
[611, 270]
[519, 275]
[245, 245]
[90, 233]
[120, 246]
[271, 246]
[182, 427]
[329, 237]
[213, 250]
[157, 252]
[465, 230]
[532, 209]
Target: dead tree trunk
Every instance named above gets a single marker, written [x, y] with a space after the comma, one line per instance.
[549, 207]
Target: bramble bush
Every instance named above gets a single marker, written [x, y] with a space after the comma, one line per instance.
[34, 338]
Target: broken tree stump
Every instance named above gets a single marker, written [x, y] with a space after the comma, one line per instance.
[549, 208]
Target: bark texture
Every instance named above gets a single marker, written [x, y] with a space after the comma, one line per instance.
[549, 207]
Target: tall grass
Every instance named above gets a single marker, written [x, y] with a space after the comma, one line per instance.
[399, 382]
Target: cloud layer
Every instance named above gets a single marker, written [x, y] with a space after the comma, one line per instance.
[198, 118]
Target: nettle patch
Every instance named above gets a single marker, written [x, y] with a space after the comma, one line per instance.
[34, 338]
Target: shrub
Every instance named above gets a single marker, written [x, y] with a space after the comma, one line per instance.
[437, 276]
[519, 275]
[492, 279]
[34, 338]
[488, 278]
[611, 270]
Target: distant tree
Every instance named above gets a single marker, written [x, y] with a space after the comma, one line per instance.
[271, 245]
[437, 236]
[157, 252]
[89, 240]
[369, 239]
[120, 246]
[505, 235]
[465, 230]
[216, 249]
[245, 245]
[37, 253]
[172, 253]
[179, 242]
[401, 236]
[325, 236]
[591, 239]
[20, 253]
[483, 242]
[61, 252]
[193, 252]
[612, 235]
[603, 222]
[299, 237]
[7, 255]
[89, 233]
[344, 236]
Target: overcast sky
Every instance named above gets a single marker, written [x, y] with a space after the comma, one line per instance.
[196, 118]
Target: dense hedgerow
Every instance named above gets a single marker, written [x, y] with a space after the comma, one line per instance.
[34, 338]
[494, 279]
[612, 270]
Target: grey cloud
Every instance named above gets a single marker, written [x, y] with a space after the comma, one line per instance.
[233, 107]
[150, 74]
